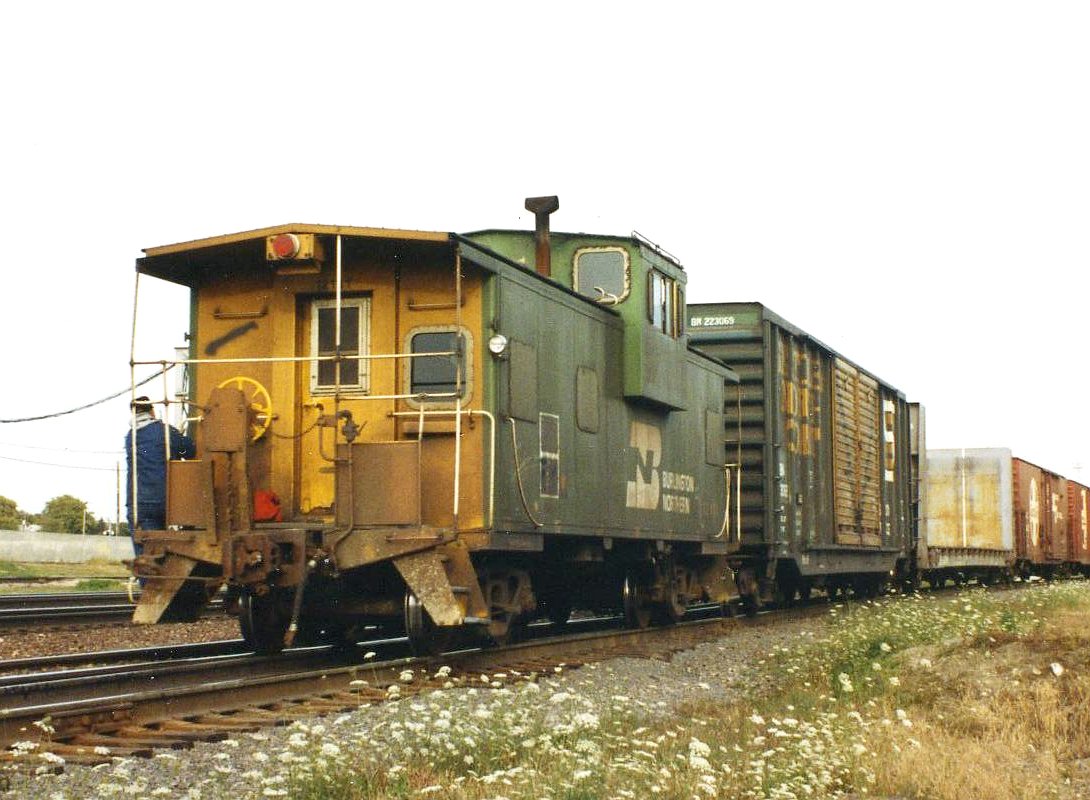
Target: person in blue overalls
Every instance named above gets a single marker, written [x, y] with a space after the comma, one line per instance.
[151, 468]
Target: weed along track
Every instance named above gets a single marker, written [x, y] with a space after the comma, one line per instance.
[135, 710]
[972, 693]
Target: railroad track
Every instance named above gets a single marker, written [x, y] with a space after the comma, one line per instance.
[133, 710]
[63, 608]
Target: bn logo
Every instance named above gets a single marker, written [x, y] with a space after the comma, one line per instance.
[644, 491]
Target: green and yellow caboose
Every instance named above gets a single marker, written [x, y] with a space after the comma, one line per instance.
[461, 431]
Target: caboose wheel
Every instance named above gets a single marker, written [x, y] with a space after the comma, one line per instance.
[264, 620]
[425, 637]
[558, 612]
[556, 604]
[637, 609]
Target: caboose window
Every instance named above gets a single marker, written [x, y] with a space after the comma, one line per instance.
[601, 273]
[439, 374]
[662, 302]
[355, 329]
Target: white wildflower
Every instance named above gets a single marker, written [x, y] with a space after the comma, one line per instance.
[885, 648]
[585, 719]
[697, 747]
[700, 763]
[406, 676]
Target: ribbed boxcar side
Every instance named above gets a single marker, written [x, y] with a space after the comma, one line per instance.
[968, 515]
[824, 451]
[1078, 526]
[1040, 510]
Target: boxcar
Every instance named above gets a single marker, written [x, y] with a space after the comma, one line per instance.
[459, 431]
[1040, 526]
[822, 446]
[967, 516]
[1078, 527]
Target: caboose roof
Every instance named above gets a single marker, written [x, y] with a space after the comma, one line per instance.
[182, 261]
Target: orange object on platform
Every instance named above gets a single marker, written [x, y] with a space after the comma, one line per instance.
[266, 506]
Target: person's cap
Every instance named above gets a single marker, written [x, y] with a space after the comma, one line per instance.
[141, 403]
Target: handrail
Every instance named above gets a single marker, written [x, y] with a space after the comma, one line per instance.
[291, 359]
[468, 412]
[738, 503]
[518, 474]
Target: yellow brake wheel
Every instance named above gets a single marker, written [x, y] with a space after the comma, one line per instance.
[260, 403]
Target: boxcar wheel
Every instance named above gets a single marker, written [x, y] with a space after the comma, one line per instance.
[637, 608]
[264, 619]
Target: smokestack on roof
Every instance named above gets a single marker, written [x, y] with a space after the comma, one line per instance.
[542, 207]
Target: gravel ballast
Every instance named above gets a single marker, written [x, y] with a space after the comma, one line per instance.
[242, 767]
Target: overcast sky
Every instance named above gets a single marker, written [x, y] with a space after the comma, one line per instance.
[907, 182]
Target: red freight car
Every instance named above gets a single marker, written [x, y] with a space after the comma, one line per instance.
[1040, 519]
[1078, 527]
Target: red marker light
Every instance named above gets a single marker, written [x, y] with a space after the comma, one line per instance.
[285, 245]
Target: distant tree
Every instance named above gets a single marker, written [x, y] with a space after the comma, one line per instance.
[65, 514]
[10, 516]
[100, 526]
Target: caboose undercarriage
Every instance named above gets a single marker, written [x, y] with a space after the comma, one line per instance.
[293, 583]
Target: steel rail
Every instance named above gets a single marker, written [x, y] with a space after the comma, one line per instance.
[141, 698]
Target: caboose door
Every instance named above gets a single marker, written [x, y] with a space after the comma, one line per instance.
[327, 388]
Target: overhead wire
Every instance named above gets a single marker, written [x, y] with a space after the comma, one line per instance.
[118, 451]
[85, 406]
[51, 464]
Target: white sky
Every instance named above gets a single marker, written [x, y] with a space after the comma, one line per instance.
[908, 182]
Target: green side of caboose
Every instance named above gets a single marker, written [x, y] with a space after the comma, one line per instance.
[615, 425]
[649, 296]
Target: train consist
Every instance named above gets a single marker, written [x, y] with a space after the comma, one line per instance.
[457, 433]
[990, 516]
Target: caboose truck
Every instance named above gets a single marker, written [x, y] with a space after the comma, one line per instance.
[462, 432]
